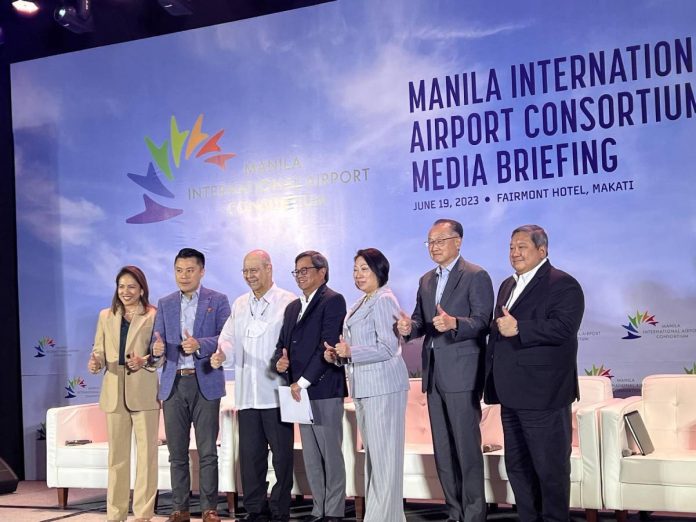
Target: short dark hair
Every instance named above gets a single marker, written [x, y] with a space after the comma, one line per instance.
[377, 262]
[456, 226]
[186, 253]
[139, 277]
[536, 233]
[318, 261]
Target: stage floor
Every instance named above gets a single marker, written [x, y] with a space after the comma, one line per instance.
[34, 502]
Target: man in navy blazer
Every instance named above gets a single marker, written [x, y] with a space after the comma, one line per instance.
[453, 308]
[309, 321]
[185, 337]
[531, 368]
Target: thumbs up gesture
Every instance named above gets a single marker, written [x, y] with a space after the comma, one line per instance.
[443, 321]
[283, 363]
[329, 353]
[217, 358]
[342, 348]
[93, 365]
[507, 324]
[189, 344]
[403, 325]
[158, 345]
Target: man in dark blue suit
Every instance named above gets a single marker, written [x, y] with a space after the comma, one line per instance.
[184, 339]
[531, 369]
[309, 322]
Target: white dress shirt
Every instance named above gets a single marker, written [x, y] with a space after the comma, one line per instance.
[521, 282]
[249, 340]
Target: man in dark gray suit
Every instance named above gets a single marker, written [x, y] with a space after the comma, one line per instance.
[453, 310]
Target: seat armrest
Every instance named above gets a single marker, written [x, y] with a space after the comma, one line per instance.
[81, 421]
[589, 442]
[491, 425]
[614, 442]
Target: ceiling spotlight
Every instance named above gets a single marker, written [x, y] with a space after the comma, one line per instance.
[177, 7]
[25, 7]
[77, 20]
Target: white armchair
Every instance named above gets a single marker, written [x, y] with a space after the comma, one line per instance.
[75, 466]
[585, 474]
[86, 466]
[664, 480]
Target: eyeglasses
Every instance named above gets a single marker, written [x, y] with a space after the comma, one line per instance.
[250, 271]
[303, 271]
[438, 242]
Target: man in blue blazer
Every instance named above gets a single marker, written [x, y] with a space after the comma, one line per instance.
[531, 369]
[185, 337]
[453, 309]
[309, 322]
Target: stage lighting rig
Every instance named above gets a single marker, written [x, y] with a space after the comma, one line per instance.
[177, 7]
[76, 19]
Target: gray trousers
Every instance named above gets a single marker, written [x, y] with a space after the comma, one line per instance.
[382, 424]
[454, 420]
[323, 458]
[184, 406]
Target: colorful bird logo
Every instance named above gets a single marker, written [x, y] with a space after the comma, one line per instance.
[167, 157]
[635, 321]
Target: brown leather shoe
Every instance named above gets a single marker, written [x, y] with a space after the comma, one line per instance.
[180, 516]
[210, 515]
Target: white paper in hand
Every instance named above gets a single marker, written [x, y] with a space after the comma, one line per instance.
[293, 411]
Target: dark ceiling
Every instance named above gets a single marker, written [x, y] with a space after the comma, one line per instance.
[29, 37]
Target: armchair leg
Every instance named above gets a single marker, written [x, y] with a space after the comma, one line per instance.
[621, 516]
[591, 515]
[359, 508]
[63, 497]
[232, 502]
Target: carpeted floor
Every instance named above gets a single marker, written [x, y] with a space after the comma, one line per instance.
[34, 502]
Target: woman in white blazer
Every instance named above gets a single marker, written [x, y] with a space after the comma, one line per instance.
[378, 378]
[128, 394]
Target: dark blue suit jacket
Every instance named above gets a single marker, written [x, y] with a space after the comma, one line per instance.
[304, 340]
[537, 369]
[211, 314]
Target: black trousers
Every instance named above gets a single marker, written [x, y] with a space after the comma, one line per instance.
[259, 430]
[537, 460]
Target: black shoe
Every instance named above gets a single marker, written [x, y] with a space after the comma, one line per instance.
[256, 517]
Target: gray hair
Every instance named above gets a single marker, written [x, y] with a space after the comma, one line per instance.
[318, 261]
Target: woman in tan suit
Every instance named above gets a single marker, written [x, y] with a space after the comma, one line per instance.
[128, 394]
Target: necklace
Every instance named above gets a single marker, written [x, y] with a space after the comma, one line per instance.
[128, 314]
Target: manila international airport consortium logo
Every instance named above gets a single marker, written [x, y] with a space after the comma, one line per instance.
[600, 371]
[167, 157]
[43, 345]
[74, 386]
[635, 322]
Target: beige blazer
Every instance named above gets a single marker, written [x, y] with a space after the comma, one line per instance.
[141, 386]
